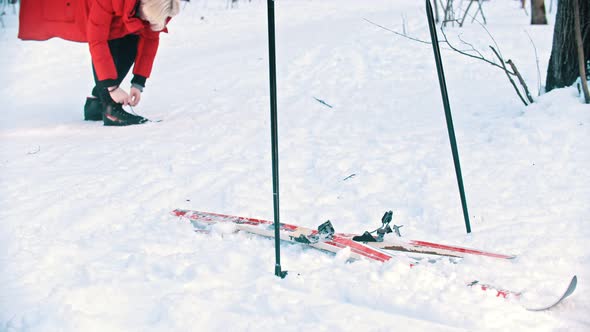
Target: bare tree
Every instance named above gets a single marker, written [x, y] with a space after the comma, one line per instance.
[467, 49]
[564, 64]
[538, 12]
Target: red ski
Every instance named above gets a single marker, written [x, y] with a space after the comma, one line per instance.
[416, 246]
[391, 243]
[290, 233]
[326, 239]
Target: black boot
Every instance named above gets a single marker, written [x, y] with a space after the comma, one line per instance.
[114, 115]
[92, 109]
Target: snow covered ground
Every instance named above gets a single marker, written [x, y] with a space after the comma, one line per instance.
[87, 242]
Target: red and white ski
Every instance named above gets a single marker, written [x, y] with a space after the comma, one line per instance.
[334, 242]
[290, 233]
[391, 243]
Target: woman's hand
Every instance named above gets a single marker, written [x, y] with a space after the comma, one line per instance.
[119, 96]
[134, 96]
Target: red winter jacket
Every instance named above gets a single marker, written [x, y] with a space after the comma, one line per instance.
[94, 22]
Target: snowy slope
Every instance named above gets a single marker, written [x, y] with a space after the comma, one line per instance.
[87, 242]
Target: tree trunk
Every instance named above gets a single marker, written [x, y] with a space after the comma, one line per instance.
[538, 12]
[580, 49]
[563, 65]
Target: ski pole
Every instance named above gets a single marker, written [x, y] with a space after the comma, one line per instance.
[274, 134]
[447, 106]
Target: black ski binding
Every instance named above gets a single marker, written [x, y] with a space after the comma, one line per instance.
[387, 217]
[303, 239]
[366, 237]
[381, 231]
[396, 230]
[325, 232]
[385, 228]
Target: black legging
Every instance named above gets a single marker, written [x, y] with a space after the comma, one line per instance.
[123, 51]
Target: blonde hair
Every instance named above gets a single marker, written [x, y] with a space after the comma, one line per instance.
[158, 11]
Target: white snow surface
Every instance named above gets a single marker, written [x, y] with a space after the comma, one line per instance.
[87, 242]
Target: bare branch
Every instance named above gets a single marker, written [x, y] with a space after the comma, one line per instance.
[508, 75]
[404, 23]
[349, 177]
[323, 102]
[521, 80]
[470, 45]
[398, 33]
[471, 55]
[483, 26]
[537, 60]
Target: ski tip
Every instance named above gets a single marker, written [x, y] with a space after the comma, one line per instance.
[572, 287]
[178, 212]
[569, 291]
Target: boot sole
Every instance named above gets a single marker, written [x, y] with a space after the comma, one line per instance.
[118, 123]
[92, 119]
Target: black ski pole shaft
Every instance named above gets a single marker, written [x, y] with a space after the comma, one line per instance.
[274, 134]
[447, 106]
